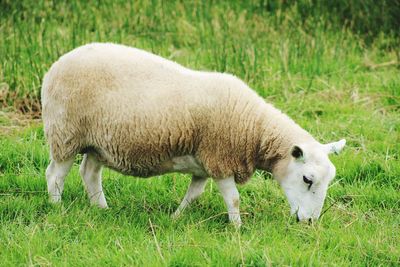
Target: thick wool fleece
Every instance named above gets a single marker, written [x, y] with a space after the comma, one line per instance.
[136, 111]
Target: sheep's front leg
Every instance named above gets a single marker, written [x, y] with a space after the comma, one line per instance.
[229, 192]
[196, 188]
[91, 174]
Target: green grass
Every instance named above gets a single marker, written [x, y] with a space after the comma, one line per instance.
[310, 63]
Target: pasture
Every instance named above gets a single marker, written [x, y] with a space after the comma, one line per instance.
[335, 74]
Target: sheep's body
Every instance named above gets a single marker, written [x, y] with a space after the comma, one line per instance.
[140, 113]
[143, 115]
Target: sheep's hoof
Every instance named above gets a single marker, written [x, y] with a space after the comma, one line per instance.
[236, 223]
[100, 205]
[103, 207]
[55, 199]
[176, 215]
[99, 201]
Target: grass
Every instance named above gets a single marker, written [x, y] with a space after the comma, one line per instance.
[321, 71]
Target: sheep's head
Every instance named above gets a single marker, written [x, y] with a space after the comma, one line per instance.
[306, 177]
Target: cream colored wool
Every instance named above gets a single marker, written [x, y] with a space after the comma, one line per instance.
[137, 111]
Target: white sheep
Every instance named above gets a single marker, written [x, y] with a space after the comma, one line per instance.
[143, 115]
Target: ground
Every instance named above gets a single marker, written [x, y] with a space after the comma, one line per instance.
[333, 80]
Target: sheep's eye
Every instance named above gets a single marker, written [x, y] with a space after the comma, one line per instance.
[307, 181]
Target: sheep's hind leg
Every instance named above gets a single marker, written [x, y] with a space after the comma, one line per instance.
[90, 170]
[196, 188]
[55, 175]
[229, 192]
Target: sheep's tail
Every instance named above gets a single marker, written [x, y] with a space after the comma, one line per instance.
[59, 129]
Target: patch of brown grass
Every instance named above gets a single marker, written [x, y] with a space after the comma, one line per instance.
[12, 122]
[27, 104]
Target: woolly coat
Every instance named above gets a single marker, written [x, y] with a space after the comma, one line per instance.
[137, 111]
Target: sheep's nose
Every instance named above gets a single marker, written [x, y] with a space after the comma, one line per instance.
[309, 221]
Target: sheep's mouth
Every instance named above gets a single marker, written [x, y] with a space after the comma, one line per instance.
[308, 221]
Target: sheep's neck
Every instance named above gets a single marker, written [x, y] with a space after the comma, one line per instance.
[278, 135]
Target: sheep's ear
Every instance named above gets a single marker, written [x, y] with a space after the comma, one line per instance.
[335, 147]
[297, 152]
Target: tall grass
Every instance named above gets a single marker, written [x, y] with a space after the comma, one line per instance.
[256, 40]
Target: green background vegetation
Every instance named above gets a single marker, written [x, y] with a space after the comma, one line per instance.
[331, 65]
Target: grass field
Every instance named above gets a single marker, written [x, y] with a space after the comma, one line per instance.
[336, 75]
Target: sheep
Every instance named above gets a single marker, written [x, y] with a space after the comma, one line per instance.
[143, 115]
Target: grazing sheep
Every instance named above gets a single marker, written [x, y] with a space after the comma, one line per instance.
[143, 115]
